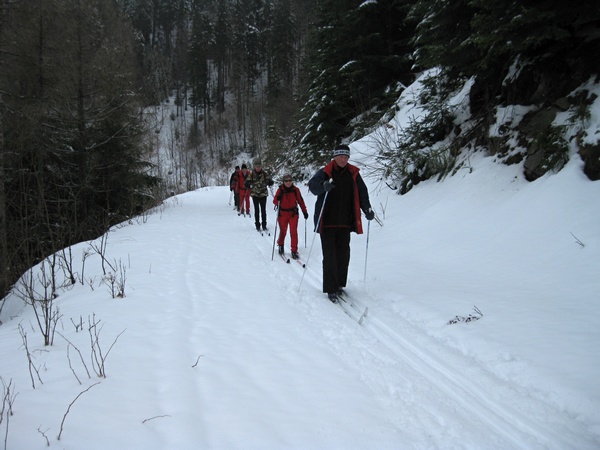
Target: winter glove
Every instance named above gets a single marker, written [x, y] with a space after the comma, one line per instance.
[247, 185]
[328, 185]
[305, 215]
[370, 214]
[270, 183]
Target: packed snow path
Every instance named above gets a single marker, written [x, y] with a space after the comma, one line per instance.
[224, 349]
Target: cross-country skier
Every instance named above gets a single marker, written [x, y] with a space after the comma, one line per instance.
[344, 192]
[287, 200]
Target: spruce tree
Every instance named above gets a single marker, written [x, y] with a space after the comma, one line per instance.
[359, 55]
[73, 124]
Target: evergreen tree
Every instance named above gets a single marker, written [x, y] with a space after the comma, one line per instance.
[198, 60]
[442, 35]
[221, 51]
[359, 54]
[73, 126]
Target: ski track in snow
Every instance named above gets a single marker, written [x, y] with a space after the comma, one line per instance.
[508, 420]
[431, 395]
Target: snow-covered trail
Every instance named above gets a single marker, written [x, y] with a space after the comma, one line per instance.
[447, 389]
[222, 348]
[440, 384]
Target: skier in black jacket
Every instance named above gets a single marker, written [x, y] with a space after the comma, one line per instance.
[341, 193]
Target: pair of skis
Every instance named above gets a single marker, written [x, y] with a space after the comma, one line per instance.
[345, 303]
[351, 309]
[288, 260]
[264, 232]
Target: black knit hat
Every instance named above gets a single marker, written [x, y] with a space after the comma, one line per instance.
[341, 149]
[244, 166]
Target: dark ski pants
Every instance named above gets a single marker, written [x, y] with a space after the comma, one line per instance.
[335, 243]
[260, 211]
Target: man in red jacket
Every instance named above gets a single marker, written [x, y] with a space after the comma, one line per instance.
[342, 193]
[287, 199]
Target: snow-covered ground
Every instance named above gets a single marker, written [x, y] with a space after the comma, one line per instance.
[217, 346]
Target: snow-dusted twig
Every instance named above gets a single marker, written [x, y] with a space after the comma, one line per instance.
[8, 399]
[78, 326]
[43, 433]
[70, 344]
[577, 240]
[69, 408]
[470, 318]
[99, 359]
[155, 417]
[197, 361]
[100, 249]
[116, 280]
[32, 367]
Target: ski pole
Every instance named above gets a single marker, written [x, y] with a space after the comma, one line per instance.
[313, 239]
[275, 233]
[367, 251]
[230, 195]
[305, 220]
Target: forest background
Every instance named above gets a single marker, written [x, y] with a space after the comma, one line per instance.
[83, 85]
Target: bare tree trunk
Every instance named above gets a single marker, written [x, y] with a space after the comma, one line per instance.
[3, 243]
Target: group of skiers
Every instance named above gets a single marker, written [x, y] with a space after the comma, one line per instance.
[254, 184]
[341, 195]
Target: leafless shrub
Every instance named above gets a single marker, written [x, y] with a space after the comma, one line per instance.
[116, 280]
[69, 409]
[78, 326]
[91, 282]
[70, 344]
[8, 400]
[470, 318]
[40, 291]
[100, 249]
[65, 261]
[43, 433]
[98, 358]
[85, 255]
[32, 368]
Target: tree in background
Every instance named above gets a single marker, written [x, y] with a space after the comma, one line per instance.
[74, 162]
[197, 61]
[359, 56]
[543, 43]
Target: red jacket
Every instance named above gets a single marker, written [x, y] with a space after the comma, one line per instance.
[241, 179]
[288, 198]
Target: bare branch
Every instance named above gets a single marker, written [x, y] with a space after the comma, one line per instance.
[69, 408]
[198, 360]
[577, 240]
[155, 417]
[32, 367]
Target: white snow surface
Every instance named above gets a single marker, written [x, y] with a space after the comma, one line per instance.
[218, 345]
[224, 348]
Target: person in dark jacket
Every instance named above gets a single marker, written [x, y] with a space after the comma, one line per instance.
[259, 182]
[287, 200]
[342, 194]
[234, 187]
